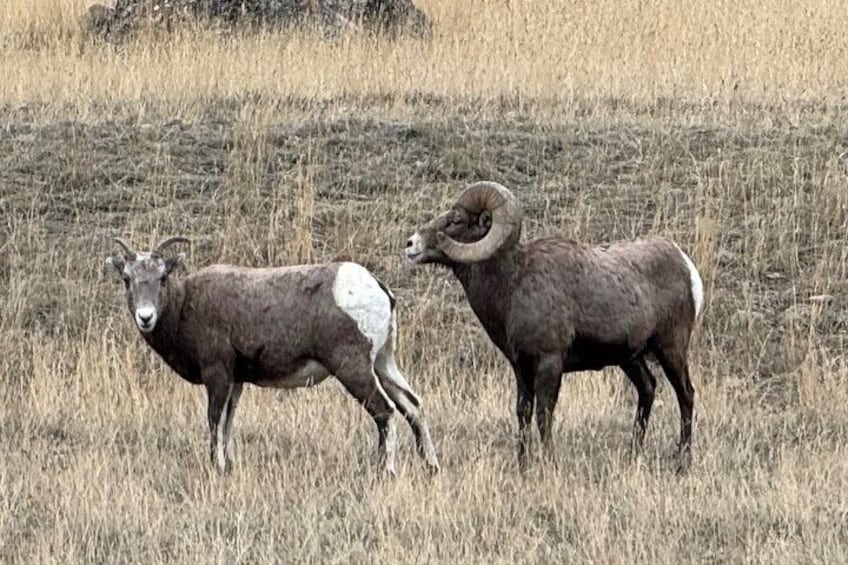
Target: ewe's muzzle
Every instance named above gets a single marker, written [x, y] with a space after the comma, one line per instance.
[145, 318]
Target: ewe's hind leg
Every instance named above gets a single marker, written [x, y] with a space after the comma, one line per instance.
[360, 380]
[408, 404]
[645, 382]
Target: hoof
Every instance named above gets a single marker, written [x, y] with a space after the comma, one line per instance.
[684, 461]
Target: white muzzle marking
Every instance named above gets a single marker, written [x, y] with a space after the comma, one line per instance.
[415, 247]
[145, 318]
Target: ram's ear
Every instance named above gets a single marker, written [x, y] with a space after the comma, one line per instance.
[114, 265]
[485, 219]
[174, 262]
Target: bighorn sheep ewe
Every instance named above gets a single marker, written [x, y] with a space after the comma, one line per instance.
[280, 327]
[554, 305]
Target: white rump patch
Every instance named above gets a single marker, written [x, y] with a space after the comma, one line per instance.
[697, 283]
[359, 295]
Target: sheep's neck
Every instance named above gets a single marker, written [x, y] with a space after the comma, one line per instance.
[488, 287]
[166, 338]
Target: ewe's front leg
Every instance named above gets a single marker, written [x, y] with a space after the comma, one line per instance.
[235, 395]
[218, 391]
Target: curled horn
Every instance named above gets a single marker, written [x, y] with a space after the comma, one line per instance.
[157, 251]
[129, 252]
[506, 221]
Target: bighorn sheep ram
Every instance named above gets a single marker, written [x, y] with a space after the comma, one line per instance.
[554, 305]
[279, 327]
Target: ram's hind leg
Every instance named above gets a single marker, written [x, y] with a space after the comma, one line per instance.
[359, 379]
[408, 404]
[645, 382]
[676, 368]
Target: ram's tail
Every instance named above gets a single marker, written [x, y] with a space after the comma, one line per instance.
[697, 285]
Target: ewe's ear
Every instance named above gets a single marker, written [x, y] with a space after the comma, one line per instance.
[172, 263]
[485, 219]
[114, 265]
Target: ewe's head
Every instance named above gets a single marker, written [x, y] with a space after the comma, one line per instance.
[145, 276]
[485, 219]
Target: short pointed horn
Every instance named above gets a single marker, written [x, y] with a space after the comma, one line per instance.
[160, 247]
[129, 252]
[506, 221]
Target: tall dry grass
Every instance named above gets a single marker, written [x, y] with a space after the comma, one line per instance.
[568, 53]
[721, 126]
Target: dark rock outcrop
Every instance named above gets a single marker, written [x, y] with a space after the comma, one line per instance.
[331, 16]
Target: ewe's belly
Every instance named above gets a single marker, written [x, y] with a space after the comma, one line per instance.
[307, 374]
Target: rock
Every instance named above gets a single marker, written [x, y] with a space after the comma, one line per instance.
[379, 16]
[726, 257]
[97, 20]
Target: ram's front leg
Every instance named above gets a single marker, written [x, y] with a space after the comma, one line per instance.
[218, 391]
[524, 401]
[547, 382]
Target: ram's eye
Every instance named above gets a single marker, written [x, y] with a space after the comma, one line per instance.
[163, 280]
[126, 280]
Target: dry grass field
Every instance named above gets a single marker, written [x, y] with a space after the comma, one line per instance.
[724, 126]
